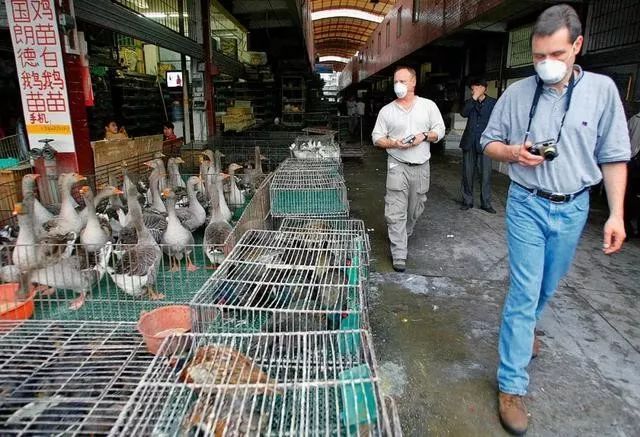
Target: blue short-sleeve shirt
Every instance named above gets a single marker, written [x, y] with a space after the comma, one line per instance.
[595, 131]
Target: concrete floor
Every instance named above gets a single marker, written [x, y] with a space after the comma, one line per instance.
[435, 327]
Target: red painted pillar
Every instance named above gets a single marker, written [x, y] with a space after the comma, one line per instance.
[83, 156]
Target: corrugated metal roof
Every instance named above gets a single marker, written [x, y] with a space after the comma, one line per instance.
[344, 36]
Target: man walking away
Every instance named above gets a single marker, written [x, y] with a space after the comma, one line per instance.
[563, 131]
[405, 127]
[477, 111]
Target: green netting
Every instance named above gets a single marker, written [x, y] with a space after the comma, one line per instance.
[309, 202]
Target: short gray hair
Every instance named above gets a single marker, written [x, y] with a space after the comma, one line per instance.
[555, 18]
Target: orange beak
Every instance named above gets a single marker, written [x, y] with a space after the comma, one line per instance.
[17, 209]
[36, 176]
[149, 163]
[166, 192]
[117, 191]
[84, 190]
[78, 177]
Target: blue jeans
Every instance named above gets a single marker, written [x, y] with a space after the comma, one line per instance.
[542, 237]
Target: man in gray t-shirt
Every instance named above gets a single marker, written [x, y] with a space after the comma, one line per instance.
[404, 128]
[562, 131]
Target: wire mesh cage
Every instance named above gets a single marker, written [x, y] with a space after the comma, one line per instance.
[316, 189]
[316, 146]
[304, 383]
[355, 228]
[254, 216]
[67, 378]
[116, 283]
[282, 282]
[12, 151]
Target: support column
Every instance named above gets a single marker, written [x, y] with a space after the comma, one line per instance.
[208, 69]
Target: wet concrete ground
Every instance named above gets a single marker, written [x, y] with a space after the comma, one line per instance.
[435, 327]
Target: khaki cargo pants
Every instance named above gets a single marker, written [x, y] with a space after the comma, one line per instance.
[407, 187]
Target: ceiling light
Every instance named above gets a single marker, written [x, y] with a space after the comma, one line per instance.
[155, 14]
[333, 59]
[347, 13]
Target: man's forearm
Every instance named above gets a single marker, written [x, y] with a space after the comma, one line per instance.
[386, 143]
[502, 152]
[615, 183]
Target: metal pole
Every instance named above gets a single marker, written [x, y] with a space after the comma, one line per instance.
[185, 79]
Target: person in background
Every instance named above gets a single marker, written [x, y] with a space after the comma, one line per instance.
[562, 130]
[360, 111]
[113, 132]
[404, 128]
[632, 197]
[167, 131]
[477, 111]
[352, 111]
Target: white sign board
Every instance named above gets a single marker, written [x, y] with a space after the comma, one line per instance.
[39, 63]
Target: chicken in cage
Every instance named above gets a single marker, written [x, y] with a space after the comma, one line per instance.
[306, 383]
[283, 281]
[315, 147]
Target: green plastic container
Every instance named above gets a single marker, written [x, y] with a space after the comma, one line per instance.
[359, 406]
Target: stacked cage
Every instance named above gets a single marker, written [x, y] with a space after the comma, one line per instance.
[280, 346]
[309, 188]
[72, 369]
[67, 378]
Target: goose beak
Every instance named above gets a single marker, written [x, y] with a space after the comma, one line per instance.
[148, 163]
[263, 158]
[117, 191]
[17, 209]
[179, 160]
[166, 192]
[78, 177]
[84, 190]
[36, 176]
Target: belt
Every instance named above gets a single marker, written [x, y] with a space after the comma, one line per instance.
[555, 198]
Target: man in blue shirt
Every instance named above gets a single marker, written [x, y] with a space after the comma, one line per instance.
[562, 131]
[477, 111]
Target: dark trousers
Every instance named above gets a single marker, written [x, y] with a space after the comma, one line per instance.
[473, 164]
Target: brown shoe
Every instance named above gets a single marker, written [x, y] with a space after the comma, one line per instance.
[513, 413]
[536, 347]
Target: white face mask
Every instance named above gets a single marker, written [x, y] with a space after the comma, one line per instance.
[551, 71]
[400, 89]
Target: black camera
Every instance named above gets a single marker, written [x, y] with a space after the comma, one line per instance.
[546, 149]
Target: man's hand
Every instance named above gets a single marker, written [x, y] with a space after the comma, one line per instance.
[475, 94]
[521, 155]
[420, 137]
[614, 235]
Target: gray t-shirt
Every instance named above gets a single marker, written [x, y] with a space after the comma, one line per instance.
[595, 131]
[396, 122]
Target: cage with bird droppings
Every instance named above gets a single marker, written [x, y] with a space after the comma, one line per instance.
[309, 188]
[284, 281]
[303, 383]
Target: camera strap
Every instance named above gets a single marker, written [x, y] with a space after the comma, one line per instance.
[536, 99]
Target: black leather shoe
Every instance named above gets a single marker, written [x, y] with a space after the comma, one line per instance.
[489, 209]
[399, 265]
[466, 207]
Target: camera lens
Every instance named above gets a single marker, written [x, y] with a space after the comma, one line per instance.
[549, 153]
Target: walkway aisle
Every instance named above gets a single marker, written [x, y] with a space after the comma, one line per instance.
[436, 327]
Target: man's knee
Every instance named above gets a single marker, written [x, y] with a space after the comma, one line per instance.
[395, 209]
